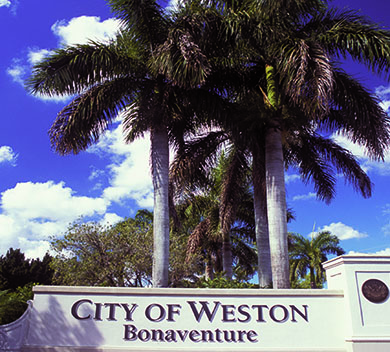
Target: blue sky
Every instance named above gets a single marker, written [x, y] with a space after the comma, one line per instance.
[42, 192]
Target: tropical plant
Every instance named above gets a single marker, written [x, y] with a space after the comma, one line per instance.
[91, 254]
[18, 271]
[109, 77]
[14, 303]
[223, 211]
[294, 80]
[308, 254]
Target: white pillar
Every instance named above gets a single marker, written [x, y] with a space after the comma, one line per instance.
[365, 280]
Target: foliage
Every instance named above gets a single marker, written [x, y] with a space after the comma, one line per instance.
[13, 303]
[307, 256]
[100, 255]
[17, 271]
[223, 282]
[17, 277]
[105, 78]
[218, 213]
[303, 283]
[91, 254]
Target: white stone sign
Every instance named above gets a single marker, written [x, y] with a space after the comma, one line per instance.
[172, 319]
[352, 315]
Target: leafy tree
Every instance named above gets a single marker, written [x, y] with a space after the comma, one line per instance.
[296, 85]
[14, 270]
[106, 78]
[41, 271]
[221, 204]
[91, 254]
[14, 303]
[308, 254]
[17, 271]
[223, 282]
[17, 277]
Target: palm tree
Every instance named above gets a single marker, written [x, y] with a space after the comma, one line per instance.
[106, 78]
[296, 47]
[308, 254]
[219, 197]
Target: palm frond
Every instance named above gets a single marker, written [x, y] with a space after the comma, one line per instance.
[349, 33]
[345, 163]
[358, 115]
[307, 75]
[72, 69]
[81, 122]
[193, 161]
[144, 19]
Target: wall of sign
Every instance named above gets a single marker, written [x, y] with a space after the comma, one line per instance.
[353, 314]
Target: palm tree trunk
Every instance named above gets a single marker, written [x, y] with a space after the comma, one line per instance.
[276, 209]
[276, 194]
[227, 259]
[312, 278]
[209, 271]
[160, 169]
[261, 222]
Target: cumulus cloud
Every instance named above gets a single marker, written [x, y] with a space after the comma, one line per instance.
[17, 71]
[34, 249]
[384, 252]
[308, 196]
[342, 231]
[291, 178]
[7, 155]
[31, 212]
[37, 55]
[129, 170]
[79, 30]
[382, 168]
[5, 3]
[384, 95]
[35, 201]
[111, 219]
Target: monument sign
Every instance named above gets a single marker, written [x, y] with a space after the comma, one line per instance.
[352, 315]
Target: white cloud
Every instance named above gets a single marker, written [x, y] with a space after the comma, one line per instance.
[308, 196]
[7, 155]
[17, 71]
[384, 95]
[291, 178]
[382, 168]
[385, 252]
[35, 201]
[76, 31]
[34, 249]
[111, 219]
[31, 212]
[5, 3]
[130, 169]
[80, 30]
[37, 55]
[173, 5]
[342, 231]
